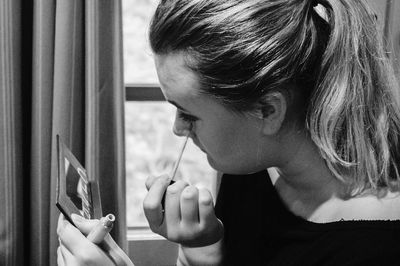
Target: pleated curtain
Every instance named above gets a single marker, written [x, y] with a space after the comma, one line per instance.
[60, 73]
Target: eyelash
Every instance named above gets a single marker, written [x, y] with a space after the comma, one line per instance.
[186, 117]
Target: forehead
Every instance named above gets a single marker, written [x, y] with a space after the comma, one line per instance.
[175, 77]
[181, 86]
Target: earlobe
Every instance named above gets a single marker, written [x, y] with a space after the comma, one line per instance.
[274, 113]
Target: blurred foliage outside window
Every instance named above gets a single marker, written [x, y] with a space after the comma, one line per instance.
[138, 60]
[151, 147]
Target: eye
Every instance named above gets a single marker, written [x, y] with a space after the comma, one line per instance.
[185, 117]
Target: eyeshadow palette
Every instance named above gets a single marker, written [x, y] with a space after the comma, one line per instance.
[76, 192]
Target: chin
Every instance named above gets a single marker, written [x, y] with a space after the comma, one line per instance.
[232, 168]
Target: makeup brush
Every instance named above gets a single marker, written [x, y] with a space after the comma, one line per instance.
[175, 169]
[179, 158]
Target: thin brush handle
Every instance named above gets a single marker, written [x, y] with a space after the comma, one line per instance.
[175, 168]
[179, 158]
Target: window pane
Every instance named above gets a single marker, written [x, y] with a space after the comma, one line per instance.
[152, 149]
[138, 62]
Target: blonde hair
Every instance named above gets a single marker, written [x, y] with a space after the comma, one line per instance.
[244, 50]
[354, 116]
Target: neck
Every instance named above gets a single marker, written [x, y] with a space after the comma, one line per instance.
[303, 180]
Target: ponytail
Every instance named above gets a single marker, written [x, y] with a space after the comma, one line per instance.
[354, 115]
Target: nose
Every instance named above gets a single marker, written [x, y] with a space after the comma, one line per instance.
[181, 127]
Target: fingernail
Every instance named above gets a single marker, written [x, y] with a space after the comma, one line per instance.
[166, 179]
[77, 218]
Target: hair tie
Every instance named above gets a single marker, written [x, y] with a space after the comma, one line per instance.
[320, 9]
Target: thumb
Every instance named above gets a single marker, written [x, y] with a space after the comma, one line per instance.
[84, 225]
[152, 179]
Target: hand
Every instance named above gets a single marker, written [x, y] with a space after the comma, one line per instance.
[75, 249]
[188, 219]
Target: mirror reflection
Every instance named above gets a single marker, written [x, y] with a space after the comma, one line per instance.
[77, 188]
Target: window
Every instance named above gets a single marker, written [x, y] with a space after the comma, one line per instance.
[151, 147]
[138, 63]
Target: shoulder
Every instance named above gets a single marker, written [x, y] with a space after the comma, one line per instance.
[371, 207]
[366, 207]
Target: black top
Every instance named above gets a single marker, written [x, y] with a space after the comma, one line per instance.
[260, 230]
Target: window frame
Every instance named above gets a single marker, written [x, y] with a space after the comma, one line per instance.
[143, 92]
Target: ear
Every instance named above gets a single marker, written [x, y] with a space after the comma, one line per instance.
[273, 112]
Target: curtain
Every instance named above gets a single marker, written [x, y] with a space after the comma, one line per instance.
[12, 228]
[61, 73]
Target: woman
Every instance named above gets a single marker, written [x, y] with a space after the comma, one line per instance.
[302, 89]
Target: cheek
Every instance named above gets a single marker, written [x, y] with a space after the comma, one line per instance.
[215, 141]
[227, 149]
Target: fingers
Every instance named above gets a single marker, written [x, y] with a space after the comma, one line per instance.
[60, 258]
[172, 202]
[189, 217]
[70, 237]
[64, 257]
[208, 219]
[151, 179]
[190, 205]
[206, 208]
[84, 225]
[87, 256]
[152, 202]
[75, 248]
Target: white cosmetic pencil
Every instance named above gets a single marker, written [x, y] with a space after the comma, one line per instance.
[104, 226]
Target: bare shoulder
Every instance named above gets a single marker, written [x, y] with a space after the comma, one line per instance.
[371, 207]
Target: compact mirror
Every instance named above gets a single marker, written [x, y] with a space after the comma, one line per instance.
[76, 192]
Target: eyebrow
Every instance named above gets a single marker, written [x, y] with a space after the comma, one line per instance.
[177, 105]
